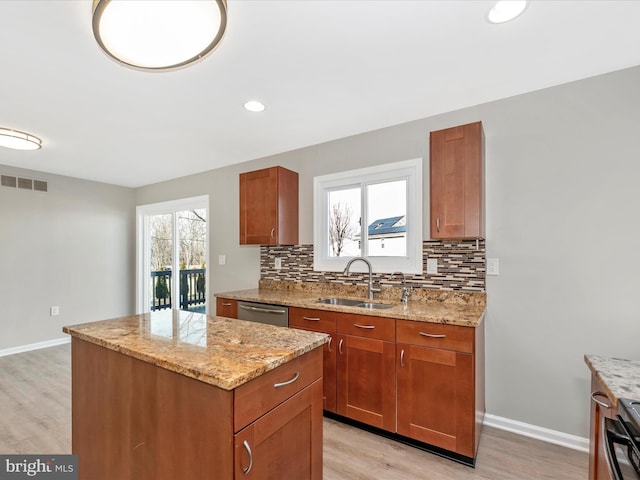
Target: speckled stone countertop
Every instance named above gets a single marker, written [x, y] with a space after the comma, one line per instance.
[434, 306]
[216, 350]
[619, 378]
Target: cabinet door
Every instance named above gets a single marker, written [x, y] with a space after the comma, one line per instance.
[269, 207]
[285, 443]
[366, 381]
[436, 397]
[601, 407]
[457, 182]
[226, 307]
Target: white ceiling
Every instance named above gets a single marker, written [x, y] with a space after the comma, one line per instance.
[324, 69]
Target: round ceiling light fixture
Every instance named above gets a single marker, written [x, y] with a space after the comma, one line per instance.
[254, 106]
[158, 35]
[506, 10]
[19, 140]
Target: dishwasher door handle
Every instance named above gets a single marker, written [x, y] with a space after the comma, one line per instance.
[262, 310]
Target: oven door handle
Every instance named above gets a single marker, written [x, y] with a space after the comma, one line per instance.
[613, 432]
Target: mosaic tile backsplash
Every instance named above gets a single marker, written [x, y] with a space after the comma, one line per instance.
[461, 266]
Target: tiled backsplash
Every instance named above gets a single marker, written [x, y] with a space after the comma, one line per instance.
[461, 266]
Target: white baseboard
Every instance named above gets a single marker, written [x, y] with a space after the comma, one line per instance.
[540, 433]
[35, 346]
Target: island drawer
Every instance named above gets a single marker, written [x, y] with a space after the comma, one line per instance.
[378, 328]
[311, 319]
[258, 396]
[226, 307]
[436, 335]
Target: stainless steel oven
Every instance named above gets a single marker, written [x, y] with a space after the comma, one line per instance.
[622, 441]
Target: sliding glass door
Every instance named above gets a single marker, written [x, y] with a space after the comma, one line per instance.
[172, 255]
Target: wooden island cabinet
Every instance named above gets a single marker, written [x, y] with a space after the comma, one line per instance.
[195, 397]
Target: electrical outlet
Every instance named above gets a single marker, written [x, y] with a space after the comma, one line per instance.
[55, 311]
[493, 266]
[278, 263]
[432, 266]
[222, 259]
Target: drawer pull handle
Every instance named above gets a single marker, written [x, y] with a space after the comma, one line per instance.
[330, 338]
[368, 327]
[438, 224]
[273, 232]
[288, 382]
[248, 449]
[226, 304]
[340, 346]
[600, 402]
[311, 319]
[432, 335]
[402, 358]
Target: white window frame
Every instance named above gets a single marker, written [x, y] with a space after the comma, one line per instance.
[411, 170]
[143, 247]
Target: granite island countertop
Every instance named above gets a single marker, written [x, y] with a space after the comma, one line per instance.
[619, 378]
[462, 310]
[219, 351]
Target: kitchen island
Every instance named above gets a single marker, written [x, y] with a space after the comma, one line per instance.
[175, 394]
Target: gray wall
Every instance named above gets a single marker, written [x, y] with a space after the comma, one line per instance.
[72, 247]
[562, 216]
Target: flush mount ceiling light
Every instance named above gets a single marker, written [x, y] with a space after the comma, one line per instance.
[506, 10]
[158, 35]
[254, 106]
[19, 140]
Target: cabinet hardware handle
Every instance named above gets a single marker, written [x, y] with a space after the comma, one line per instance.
[273, 231]
[263, 310]
[600, 402]
[402, 358]
[340, 346]
[248, 449]
[438, 224]
[288, 382]
[312, 319]
[432, 335]
[226, 304]
[330, 338]
[368, 327]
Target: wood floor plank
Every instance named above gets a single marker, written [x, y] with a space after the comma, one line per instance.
[35, 417]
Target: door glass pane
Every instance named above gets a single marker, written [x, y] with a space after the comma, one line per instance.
[344, 222]
[161, 258]
[192, 244]
[387, 219]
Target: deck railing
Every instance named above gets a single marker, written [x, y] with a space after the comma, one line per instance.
[192, 289]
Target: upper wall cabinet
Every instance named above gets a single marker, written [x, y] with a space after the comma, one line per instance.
[457, 182]
[269, 207]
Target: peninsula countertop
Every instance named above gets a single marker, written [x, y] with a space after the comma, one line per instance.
[216, 350]
[619, 378]
[455, 309]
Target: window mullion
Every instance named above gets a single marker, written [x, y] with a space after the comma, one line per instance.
[364, 215]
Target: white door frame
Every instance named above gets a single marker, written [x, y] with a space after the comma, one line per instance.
[143, 271]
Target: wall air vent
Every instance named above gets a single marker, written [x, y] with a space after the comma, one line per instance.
[39, 186]
[25, 183]
[7, 181]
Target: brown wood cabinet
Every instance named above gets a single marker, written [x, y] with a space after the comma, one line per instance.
[436, 375]
[601, 407]
[132, 420]
[457, 182]
[366, 387]
[320, 321]
[269, 207]
[226, 307]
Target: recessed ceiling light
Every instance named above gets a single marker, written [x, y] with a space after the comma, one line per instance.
[254, 106]
[19, 140]
[506, 10]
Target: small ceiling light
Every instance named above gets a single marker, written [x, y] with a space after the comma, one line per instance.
[19, 140]
[158, 35]
[506, 10]
[254, 106]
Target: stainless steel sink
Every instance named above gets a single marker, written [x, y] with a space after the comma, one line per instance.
[347, 302]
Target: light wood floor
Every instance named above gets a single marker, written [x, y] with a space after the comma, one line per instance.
[35, 417]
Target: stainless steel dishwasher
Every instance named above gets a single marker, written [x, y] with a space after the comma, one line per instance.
[264, 313]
